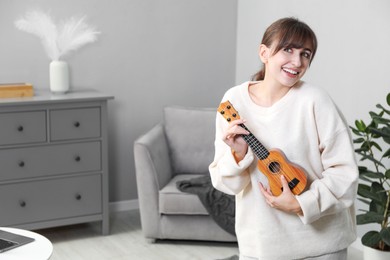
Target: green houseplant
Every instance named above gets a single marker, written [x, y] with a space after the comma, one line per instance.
[373, 142]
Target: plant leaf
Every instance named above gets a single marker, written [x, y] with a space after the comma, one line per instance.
[371, 239]
[385, 235]
[373, 124]
[376, 207]
[371, 158]
[379, 121]
[362, 151]
[383, 132]
[380, 191]
[360, 125]
[373, 175]
[355, 131]
[370, 195]
[388, 99]
[369, 217]
[365, 179]
[373, 114]
[362, 187]
[386, 136]
[384, 109]
[362, 168]
[387, 174]
[359, 140]
[376, 145]
[387, 153]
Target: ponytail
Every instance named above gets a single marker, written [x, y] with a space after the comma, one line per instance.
[259, 75]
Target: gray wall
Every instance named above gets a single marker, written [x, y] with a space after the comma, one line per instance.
[151, 53]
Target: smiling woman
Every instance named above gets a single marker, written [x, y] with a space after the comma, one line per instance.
[302, 120]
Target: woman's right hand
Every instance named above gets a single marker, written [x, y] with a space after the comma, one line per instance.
[232, 137]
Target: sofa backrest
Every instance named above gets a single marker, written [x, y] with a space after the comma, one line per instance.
[190, 133]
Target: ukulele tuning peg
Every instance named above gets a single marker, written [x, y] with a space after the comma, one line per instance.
[228, 119]
[234, 115]
[222, 112]
[228, 107]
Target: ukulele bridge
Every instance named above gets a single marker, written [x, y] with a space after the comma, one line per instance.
[292, 184]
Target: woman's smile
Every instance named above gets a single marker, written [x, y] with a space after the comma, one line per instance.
[291, 72]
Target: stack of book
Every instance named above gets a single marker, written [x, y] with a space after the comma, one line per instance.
[11, 90]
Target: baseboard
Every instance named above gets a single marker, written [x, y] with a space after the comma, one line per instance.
[123, 205]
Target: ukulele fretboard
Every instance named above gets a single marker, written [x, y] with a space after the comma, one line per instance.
[259, 149]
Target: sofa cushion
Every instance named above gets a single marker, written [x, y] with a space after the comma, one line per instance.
[190, 134]
[174, 202]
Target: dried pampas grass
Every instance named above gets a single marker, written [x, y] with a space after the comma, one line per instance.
[70, 35]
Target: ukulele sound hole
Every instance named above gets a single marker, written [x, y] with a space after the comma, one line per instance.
[274, 167]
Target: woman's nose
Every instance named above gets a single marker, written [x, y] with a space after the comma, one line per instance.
[296, 60]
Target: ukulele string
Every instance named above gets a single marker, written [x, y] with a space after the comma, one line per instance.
[259, 151]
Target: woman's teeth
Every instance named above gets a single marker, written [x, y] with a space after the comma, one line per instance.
[291, 71]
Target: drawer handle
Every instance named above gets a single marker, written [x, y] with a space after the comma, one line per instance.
[21, 164]
[77, 158]
[20, 128]
[78, 196]
[22, 203]
[77, 124]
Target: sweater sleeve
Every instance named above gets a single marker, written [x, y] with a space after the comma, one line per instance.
[227, 175]
[335, 188]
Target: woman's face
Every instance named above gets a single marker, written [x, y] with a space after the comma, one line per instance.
[288, 65]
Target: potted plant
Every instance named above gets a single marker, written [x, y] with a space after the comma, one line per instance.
[373, 140]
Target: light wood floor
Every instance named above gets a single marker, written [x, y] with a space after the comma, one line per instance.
[126, 241]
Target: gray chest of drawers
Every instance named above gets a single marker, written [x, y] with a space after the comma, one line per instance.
[53, 160]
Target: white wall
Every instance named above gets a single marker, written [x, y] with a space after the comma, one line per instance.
[353, 58]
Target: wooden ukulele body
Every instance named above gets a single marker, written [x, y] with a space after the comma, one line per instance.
[276, 164]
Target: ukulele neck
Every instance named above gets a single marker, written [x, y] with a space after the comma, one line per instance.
[259, 149]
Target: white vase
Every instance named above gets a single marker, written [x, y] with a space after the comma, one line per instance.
[374, 254]
[59, 77]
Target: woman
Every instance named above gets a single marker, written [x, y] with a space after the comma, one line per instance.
[284, 112]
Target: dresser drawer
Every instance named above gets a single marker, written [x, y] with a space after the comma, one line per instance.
[35, 201]
[18, 163]
[22, 127]
[68, 124]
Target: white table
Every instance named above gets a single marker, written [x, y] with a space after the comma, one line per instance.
[40, 249]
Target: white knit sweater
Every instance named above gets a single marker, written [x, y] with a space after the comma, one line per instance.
[307, 126]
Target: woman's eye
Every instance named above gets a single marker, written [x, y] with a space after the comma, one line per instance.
[307, 55]
[288, 50]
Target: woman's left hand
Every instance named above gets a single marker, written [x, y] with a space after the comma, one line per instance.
[285, 201]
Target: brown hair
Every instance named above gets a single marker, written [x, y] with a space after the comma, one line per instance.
[287, 32]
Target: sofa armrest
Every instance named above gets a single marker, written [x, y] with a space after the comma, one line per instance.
[153, 170]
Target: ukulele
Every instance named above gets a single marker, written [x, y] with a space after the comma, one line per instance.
[272, 163]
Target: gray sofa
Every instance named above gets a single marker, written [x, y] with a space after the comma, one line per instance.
[180, 148]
